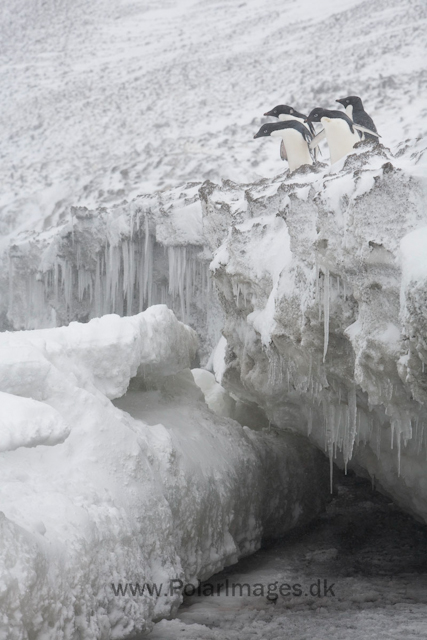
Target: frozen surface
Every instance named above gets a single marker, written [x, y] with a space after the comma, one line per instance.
[151, 489]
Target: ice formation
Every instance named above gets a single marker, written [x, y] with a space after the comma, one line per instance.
[319, 275]
[328, 333]
[118, 261]
[149, 488]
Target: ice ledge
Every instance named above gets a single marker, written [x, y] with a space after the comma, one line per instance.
[104, 354]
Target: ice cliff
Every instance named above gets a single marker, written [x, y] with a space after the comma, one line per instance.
[150, 488]
[317, 279]
[323, 282]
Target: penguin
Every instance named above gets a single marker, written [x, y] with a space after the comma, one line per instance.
[341, 132]
[296, 138]
[354, 109]
[285, 114]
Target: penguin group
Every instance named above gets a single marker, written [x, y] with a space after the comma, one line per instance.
[299, 141]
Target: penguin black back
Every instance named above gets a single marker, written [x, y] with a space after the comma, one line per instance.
[354, 108]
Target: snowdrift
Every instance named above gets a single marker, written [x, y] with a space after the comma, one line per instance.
[150, 489]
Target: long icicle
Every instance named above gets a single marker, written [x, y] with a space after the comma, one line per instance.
[326, 313]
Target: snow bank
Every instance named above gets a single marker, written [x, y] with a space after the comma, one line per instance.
[150, 489]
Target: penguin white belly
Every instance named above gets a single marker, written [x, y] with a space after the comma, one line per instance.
[349, 111]
[340, 139]
[296, 148]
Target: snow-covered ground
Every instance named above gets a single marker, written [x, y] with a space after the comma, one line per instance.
[106, 100]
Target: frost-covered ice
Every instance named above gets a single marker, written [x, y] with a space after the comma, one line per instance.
[151, 489]
[120, 260]
[321, 282]
[129, 179]
[327, 334]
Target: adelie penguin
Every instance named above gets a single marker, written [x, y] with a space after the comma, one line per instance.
[340, 131]
[285, 114]
[353, 106]
[296, 138]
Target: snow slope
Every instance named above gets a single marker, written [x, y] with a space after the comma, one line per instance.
[152, 488]
[107, 100]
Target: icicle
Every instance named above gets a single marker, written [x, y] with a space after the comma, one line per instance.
[310, 368]
[399, 439]
[352, 423]
[326, 313]
[72, 226]
[148, 265]
[310, 421]
[98, 293]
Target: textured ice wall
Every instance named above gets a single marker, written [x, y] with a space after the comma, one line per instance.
[154, 489]
[120, 260]
[326, 311]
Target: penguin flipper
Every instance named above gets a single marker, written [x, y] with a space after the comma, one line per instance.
[283, 153]
[365, 130]
[320, 136]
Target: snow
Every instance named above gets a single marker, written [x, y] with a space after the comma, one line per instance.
[130, 179]
[152, 488]
[218, 359]
[216, 397]
[24, 422]
[414, 256]
[107, 102]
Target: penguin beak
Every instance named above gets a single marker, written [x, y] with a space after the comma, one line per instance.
[267, 114]
[340, 100]
[256, 136]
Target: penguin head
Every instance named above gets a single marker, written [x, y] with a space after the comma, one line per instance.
[276, 129]
[353, 101]
[281, 108]
[316, 115]
[267, 129]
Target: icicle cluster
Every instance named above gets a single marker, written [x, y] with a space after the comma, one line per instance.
[124, 278]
